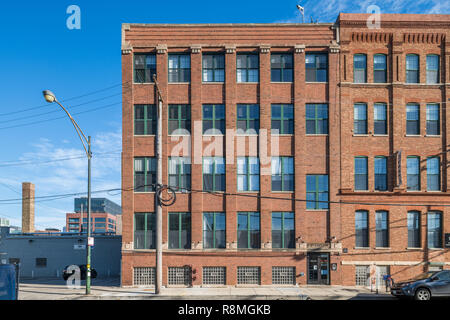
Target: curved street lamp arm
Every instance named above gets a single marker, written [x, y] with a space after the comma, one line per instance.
[78, 130]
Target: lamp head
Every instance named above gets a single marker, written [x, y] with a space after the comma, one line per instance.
[49, 96]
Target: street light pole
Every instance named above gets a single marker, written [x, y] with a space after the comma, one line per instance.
[158, 207]
[88, 249]
[50, 97]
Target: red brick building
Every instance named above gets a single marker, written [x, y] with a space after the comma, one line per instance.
[259, 116]
[405, 137]
[102, 222]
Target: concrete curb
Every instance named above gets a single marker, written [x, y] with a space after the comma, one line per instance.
[192, 297]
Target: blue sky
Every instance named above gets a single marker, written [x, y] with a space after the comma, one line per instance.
[39, 52]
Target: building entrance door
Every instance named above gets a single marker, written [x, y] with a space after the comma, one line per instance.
[318, 268]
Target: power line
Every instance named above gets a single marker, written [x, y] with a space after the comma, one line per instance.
[57, 111]
[33, 162]
[65, 100]
[215, 193]
[62, 117]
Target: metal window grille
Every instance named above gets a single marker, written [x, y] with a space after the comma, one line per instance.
[362, 276]
[283, 275]
[214, 275]
[249, 275]
[144, 276]
[180, 276]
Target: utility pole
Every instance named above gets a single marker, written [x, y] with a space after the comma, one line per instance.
[51, 98]
[88, 252]
[158, 208]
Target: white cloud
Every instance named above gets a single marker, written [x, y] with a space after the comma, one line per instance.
[328, 10]
[52, 176]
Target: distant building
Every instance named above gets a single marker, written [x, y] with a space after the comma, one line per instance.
[4, 222]
[98, 205]
[46, 255]
[100, 222]
[104, 216]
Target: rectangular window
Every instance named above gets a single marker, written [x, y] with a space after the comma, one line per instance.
[382, 231]
[248, 118]
[248, 174]
[214, 230]
[180, 276]
[179, 68]
[432, 68]
[359, 68]
[214, 275]
[282, 119]
[433, 127]
[249, 231]
[317, 118]
[213, 67]
[361, 182]
[144, 119]
[360, 118]
[144, 174]
[412, 119]
[434, 229]
[281, 67]
[180, 173]
[379, 68]
[433, 174]
[380, 169]
[413, 173]
[144, 231]
[213, 119]
[41, 262]
[316, 67]
[317, 192]
[213, 174]
[179, 119]
[283, 230]
[144, 276]
[179, 230]
[144, 68]
[283, 275]
[379, 118]
[413, 229]
[412, 68]
[247, 67]
[282, 174]
[249, 275]
[361, 229]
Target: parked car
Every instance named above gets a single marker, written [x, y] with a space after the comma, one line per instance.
[66, 274]
[424, 286]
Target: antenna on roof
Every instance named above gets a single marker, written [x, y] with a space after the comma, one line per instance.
[302, 11]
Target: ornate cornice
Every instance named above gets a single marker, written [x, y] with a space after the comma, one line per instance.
[334, 48]
[264, 48]
[126, 48]
[299, 48]
[161, 48]
[196, 49]
[230, 49]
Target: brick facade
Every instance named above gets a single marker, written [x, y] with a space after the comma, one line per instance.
[399, 35]
[316, 231]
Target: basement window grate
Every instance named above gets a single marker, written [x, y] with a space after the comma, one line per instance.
[249, 275]
[144, 276]
[214, 275]
[180, 276]
[283, 275]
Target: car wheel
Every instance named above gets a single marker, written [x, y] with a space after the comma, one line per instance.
[423, 294]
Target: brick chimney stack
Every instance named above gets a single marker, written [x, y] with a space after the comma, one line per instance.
[27, 207]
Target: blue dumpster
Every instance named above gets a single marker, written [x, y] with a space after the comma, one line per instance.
[7, 282]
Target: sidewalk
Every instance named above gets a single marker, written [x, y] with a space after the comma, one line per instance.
[108, 289]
